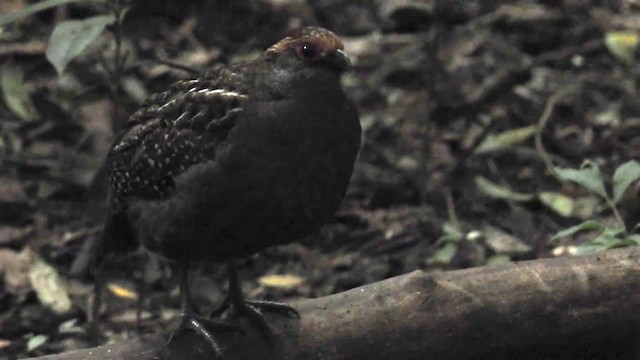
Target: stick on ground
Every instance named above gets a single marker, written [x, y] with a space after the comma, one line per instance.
[563, 308]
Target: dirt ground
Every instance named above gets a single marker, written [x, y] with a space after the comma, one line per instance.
[451, 94]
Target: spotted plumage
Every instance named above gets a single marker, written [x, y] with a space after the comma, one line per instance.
[171, 132]
[236, 161]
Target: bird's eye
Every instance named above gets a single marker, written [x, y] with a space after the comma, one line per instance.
[308, 51]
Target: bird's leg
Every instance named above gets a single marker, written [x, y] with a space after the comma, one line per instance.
[252, 308]
[220, 309]
[93, 313]
[193, 321]
[143, 290]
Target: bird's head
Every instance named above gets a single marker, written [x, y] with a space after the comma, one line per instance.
[309, 47]
[309, 59]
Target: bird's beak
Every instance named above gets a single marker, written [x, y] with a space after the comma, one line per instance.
[340, 60]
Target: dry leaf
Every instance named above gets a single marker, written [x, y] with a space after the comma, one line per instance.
[49, 287]
[281, 281]
[122, 292]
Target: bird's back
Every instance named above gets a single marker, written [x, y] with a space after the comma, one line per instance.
[231, 163]
[268, 184]
[171, 131]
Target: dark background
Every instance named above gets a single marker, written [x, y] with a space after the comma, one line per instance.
[433, 80]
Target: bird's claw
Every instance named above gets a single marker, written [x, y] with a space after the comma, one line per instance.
[199, 325]
[274, 306]
[259, 304]
[253, 309]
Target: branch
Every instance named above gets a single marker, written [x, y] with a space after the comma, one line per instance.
[550, 307]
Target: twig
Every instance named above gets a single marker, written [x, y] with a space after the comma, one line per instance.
[569, 52]
[542, 123]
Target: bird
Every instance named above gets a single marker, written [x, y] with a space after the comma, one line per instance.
[237, 160]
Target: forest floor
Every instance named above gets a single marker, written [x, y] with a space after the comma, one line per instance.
[452, 97]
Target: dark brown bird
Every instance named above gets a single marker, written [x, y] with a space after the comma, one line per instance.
[236, 161]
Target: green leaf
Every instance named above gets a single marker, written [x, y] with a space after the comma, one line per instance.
[560, 203]
[610, 116]
[499, 192]
[635, 238]
[609, 237]
[506, 139]
[500, 242]
[36, 341]
[620, 243]
[584, 207]
[70, 38]
[586, 249]
[623, 45]
[588, 177]
[624, 176]
[31, 9]
[16, 93]
[49, 286]
[444, 255]
[585, 226]
[615, 230]
[498, 260]
[451, 233]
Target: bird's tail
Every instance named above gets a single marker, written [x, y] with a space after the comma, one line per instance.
[117, 237]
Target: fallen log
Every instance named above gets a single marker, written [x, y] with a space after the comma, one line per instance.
[568, 307]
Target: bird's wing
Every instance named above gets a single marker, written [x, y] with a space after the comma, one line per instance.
[172, 131]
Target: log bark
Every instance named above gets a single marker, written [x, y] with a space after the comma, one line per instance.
[569, 308]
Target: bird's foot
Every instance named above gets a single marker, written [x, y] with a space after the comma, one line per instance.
[274, 306]
[253, 310]
[201, 325]
[259, 304]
